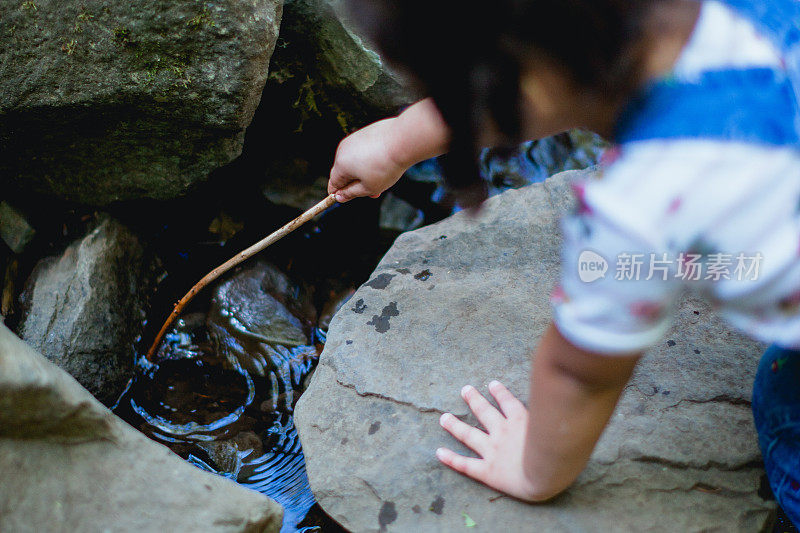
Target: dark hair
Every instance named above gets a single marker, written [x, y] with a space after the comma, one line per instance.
[469, 56]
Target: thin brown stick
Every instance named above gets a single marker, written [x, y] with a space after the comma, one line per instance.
[235, 260]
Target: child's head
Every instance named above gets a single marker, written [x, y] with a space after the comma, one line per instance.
[470, 58]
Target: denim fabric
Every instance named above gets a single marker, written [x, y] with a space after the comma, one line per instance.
[776, 410]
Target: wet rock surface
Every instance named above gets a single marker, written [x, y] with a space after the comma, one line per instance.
[68, 464]
[250, 302]
[465, 301]
[107, 101]
[83, 310]
[399, 215]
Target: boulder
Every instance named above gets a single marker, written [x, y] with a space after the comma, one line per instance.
[84, 309]
[325, 82]
[466, 301]
[106, 101]
[344, 61]
[68, 463]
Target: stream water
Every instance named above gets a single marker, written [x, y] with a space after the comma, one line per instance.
[223, 385]
[222, 388]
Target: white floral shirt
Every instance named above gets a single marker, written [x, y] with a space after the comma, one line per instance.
[718, 217]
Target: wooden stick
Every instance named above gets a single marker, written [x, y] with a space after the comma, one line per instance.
[235, 260]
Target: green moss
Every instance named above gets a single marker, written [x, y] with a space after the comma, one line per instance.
[29, 6]
[159, 65]
[122, 35]
[201, 19]
[341, 118]
[153, 61]
[85, 16]
[312, 99]
[306, 102]
[69, 47]
[280, 75]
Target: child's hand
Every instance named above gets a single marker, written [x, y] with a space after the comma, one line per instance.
[501, 450]
[364, 165]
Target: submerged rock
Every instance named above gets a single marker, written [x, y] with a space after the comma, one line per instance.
[67, 463]
[225, 455]
[255, 302]
[14, 228]
[84, 309]
[107, 101]
[260, 321]
[399, 215]
[466, 301]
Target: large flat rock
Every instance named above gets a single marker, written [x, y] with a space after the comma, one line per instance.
[465, 301]
[68, 464]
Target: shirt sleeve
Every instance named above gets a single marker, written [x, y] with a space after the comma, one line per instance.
[718, 218]
[618, 289]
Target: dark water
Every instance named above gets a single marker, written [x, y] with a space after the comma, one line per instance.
[220, 394]
[227, 419]
[505, 168]
[783, 524]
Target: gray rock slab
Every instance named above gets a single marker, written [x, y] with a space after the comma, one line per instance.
[68, 464]
[84, 309]
[106, 101]
[465, 301]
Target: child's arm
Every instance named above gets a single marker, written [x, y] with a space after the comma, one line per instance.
[535, 454]
[373, 158]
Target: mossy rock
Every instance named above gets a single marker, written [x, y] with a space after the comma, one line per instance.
[106, 101]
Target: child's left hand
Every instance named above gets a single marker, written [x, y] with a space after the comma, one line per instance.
[501, 449]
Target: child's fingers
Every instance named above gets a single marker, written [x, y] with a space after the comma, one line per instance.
[508, 403]
[484, 411]
[355, 189]
[474, 468]
[472, 437]
[338, 180]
